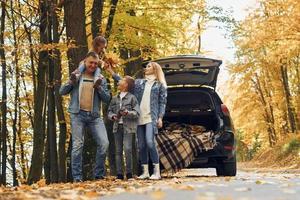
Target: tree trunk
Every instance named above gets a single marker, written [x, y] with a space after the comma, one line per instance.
[47, 162]
[46, 148]
[266, 88]
[112, 147]
[0, 143]
[290, 108]
[297, 69]
[97, 10]
[111, 18]
[23, 162]
[39, 101]
[29, 104]
[29, 37]
[17, 98]
[32, 64]
[58, 99]
[270, 127]
[75, 29]
[51, 120]
[4, 98]
[199, 36]
[68, 160]
[51, 127]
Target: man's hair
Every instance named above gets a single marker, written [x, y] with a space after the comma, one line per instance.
[130, 83]
[99, 40]
[92, 54]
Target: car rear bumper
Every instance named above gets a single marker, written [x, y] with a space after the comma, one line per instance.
[210, 159]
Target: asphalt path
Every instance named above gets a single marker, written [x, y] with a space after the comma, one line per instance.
[203, 184]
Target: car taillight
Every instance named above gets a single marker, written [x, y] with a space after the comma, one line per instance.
[224, 109]
[229, 147]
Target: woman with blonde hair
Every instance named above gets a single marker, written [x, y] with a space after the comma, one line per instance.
[151, 93]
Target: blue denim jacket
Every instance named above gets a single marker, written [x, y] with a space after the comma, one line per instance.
[100, 94]
[158, 99]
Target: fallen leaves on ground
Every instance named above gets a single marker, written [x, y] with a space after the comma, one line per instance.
[94, 189]
[202, 186]
[66, 191]
[90, 189]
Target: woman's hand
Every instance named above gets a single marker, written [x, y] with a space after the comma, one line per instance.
[159, 123]
[109, 69]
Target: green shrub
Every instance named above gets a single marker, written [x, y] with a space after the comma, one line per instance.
[293, 146]
[247, 152]
[255, 147]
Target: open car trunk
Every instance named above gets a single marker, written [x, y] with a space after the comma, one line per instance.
[191, 106]
[190, 125]
[190, 70]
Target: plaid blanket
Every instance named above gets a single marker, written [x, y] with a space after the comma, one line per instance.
[179, 144]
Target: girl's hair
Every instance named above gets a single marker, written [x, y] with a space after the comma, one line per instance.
[99, 40]
[160, 76]
[130, 83]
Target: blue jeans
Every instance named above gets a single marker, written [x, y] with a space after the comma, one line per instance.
[96, 126]
[123, 139]
[147, 144]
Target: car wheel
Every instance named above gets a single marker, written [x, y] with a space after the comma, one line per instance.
[226, 168]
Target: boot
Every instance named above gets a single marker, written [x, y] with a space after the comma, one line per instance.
[145, 174]
[156, 172]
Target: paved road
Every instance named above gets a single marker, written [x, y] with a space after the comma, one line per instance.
[202, 184]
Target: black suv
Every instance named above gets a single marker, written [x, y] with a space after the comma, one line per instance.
[192, 99]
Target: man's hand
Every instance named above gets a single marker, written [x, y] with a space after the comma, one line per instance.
[74, 77]
[98, 82]
[159, 123]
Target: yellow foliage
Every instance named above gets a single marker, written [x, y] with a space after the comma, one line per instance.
[265, 77]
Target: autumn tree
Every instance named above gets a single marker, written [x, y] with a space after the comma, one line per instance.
[265, 76]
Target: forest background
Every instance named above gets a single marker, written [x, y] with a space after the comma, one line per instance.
[42, 41]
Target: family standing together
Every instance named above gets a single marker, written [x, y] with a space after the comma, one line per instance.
[138, 108]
